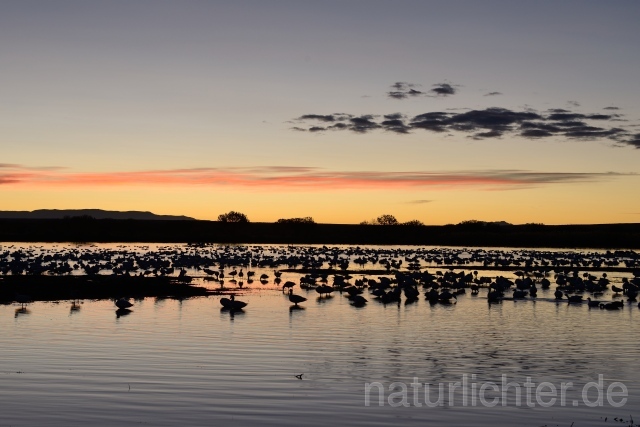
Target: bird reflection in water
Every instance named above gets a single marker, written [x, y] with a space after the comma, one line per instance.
[123, 312]
[22, 311]
[232, 313]
[23, 300]
[75, 307]
[296, 308]
[323, 299]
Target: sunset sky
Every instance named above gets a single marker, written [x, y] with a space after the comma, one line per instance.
[439, 111]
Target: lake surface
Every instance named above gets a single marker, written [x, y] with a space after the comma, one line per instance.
[190, 363]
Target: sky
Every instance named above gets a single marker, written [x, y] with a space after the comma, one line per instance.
[440, 111]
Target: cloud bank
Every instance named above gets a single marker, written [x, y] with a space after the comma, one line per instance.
[486, 123]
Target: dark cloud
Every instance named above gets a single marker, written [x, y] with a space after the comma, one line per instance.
[396, 125]
[591, 132]
[394, 116]
[601, 116]
[535, 133]
[363, 124]
[419, 202]
[487, 123]
[322, 118]
[493, 94]
[403, 90]
[339, 126]
[495, 119]
[443, 89]
[573, 103]
[397, 95]
[563, 115]
[436, 115]
[634, 140]
[435, 121]
[489, 134]
[611, 108]
[402, 86]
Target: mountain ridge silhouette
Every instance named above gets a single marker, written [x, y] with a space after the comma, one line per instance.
[94, 213]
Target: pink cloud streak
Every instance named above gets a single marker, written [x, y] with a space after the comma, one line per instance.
[289, 178]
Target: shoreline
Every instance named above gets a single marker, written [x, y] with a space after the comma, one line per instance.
[597, 236]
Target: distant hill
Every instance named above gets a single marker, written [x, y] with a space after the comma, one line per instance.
[95, 213]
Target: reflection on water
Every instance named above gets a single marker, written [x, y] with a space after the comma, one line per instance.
[123, 312]
[22, 311]
[75, 307]
[192, 363]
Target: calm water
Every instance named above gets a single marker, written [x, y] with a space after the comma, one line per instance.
[188, 363]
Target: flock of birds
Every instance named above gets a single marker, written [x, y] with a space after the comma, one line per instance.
[399, 272]
[169, 260]
[444, 288]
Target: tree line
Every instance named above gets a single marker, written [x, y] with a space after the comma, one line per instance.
[386, 219]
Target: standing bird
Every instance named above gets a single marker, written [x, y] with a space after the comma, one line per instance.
[296, 299]
[22, 299]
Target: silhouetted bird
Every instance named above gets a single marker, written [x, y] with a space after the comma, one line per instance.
[296, 299]
[232, 304]
[22, 299]
[123, 303]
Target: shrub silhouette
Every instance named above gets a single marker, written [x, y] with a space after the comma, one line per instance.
[233, 216]
[387, 220]
[305, 220]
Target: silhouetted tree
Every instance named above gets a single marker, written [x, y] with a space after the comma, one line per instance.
[387, 220]
[233, 216]
[305, 220]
